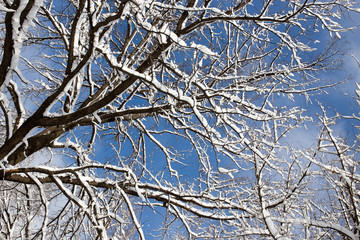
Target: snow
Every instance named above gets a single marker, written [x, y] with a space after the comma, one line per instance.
[164, 31]
[19, 35]
[5, 9]
[68, 193]
[204, 49]
[227, 171]
[219, 116]
[96, 116]
[132, 213]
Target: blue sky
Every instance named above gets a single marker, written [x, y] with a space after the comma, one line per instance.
[339, 99]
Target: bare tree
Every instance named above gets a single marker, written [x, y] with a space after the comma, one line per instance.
[114, 111]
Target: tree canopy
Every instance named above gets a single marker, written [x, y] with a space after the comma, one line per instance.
[169, 119]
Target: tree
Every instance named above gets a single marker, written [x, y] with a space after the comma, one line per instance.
[112, 111]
